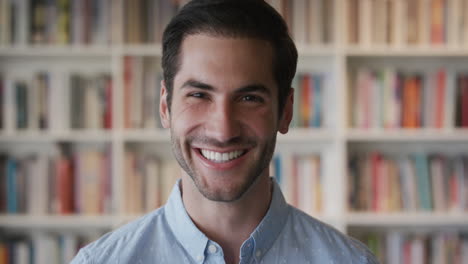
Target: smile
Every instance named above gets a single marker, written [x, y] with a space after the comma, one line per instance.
[219, 157]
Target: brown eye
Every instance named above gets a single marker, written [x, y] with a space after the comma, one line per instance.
[197, 95]
[252, 98]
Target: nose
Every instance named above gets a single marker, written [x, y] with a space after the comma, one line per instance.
[222, 123]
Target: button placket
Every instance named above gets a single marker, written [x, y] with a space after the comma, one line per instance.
[212, 249]
[258, 253]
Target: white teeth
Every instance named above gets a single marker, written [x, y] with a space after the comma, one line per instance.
[221, 157]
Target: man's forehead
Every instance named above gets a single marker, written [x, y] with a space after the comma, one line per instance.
[206, 57]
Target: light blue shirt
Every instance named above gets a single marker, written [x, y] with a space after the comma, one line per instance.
[168, 235]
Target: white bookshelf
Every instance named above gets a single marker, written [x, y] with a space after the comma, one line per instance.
[412, 135]
[334, 141]
[59, 222]
[408, 219]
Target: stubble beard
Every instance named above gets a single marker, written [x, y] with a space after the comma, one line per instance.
[267, 148]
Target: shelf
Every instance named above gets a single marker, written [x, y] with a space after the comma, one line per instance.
[417, 219]
[56, 51]
[57, 221]
[150, 135]
[406, 52]
[142, 50]
[403, 135]
[156, 50]
[308, 50]
[38, 136]
[306, 135]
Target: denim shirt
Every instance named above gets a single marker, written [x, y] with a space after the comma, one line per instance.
[168, 235]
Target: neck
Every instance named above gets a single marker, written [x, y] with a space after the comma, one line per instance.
[228, 223]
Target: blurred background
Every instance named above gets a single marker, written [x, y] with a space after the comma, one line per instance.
[378, 146]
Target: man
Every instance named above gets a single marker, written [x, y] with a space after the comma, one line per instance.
[228, 67]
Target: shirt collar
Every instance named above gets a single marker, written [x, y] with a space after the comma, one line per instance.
[195, 242]
[272, 224]
[185, 231]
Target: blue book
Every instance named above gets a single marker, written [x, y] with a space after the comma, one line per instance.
[11, 190]
[318, 101]
[423, 180]
[277, 166]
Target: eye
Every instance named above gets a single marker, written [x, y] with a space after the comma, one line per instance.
[252, 98]
[197, 95]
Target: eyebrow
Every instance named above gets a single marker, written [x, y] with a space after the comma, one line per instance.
[244, 89]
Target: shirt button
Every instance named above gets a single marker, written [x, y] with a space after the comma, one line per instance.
[258, 253]
[212, 249]
[200, 258]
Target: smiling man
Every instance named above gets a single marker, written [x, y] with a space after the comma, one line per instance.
[228, 67]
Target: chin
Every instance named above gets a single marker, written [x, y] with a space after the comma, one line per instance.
[225, 191]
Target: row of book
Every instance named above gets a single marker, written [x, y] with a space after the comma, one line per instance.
[58, 22]
[427, 182]
[389, 98]
[148, 181]
[398, 247]
[28, 99]
[38, 101]
[43, 248]
[91, 101]
[300, 179]
[141, 93]
[71, 183]
[309, 96]
[145, 20]
[408, 22]
[310, 22]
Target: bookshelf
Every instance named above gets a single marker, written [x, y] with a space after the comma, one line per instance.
[335, 48]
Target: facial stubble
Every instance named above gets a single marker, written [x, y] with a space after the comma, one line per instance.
[267, 148]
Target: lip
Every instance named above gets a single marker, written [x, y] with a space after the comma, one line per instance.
[220, 166]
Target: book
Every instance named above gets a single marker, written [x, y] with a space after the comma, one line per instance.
[381, 182]
[300, 179]
[64, 185]
[11, 186]
[438, 13]
[397, 246]
[390, 98]
[142, 91]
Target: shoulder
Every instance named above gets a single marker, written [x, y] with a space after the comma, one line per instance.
[122, 242]
[324, 240]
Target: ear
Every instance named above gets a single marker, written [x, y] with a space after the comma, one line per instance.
[287, 113]
[163, 107]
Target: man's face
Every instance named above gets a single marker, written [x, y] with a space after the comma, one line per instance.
[224, 116]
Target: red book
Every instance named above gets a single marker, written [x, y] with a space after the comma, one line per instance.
[464, 101]
[407, 252]
[64, 186]
[412, 102]
[440, 99]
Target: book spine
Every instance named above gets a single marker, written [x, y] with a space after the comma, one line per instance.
[11, 185]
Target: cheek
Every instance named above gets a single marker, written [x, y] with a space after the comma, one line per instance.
[183, 118]
[262, 121]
